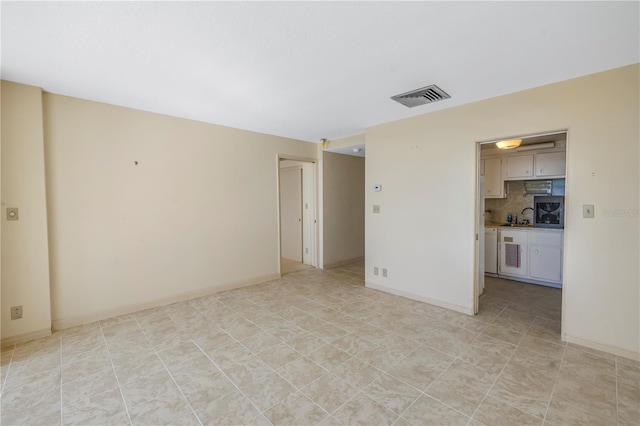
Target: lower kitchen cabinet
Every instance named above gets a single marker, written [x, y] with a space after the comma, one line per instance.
[539, 259]
[545, 257]
[545, 263]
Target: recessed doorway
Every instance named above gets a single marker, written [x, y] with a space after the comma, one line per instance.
[297, 215]
[519, 260]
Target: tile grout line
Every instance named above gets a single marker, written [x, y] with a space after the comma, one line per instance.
[486, 395]
[231, 381]
[113, 367]
[6, 375]
[555, 382]
[221, 370]
[275, 370]
[166, 369]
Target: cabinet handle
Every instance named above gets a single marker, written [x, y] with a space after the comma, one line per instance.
[541, 170]
[536, 251]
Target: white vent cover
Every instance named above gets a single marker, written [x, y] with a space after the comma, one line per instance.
[426, 95]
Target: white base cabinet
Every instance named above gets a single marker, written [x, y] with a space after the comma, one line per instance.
[545, 257]
[540, 255]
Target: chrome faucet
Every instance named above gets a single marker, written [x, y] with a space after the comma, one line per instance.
[526, 221]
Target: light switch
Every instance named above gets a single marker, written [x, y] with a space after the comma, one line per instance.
[587, 211]
[12, 213]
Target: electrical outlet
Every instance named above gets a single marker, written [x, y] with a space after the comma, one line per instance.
[16, 312]
[376, 208]
[384, 272]
[375, 270]
[587, 211]
[12, 213]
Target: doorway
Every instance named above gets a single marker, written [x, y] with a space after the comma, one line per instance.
[297, 214]
[521, 275]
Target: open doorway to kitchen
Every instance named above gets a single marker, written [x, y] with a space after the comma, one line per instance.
[520, 234]
[297, 209]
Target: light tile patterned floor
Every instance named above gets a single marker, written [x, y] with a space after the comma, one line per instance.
[316, 347]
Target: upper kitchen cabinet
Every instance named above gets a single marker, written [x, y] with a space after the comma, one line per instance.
[518, 167]
[538, 165]
[493, 183]
[550, 164]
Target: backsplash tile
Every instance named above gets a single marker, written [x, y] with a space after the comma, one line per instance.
[515, 202]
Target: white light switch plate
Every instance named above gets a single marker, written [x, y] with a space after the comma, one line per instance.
[587, 211]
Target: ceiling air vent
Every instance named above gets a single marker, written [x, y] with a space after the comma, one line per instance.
[426, 95]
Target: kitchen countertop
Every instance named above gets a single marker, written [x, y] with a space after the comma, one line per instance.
[502, 225]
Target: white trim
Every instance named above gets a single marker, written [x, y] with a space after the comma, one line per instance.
[462, 309]
[61, 324]
[614, 350]
[344, 262]
[26, 337]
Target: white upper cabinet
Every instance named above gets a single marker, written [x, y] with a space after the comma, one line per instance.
[550, 164]
[493, 183]
[533, 166]
[519, 166]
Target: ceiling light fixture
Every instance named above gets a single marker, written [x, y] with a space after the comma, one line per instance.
[537, 146]
[509, 144]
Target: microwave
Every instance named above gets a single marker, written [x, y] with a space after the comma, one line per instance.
[548, 212]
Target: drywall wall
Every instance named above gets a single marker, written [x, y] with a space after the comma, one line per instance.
[425, 232]
[145, 207]
[343, 208]
[25, 258]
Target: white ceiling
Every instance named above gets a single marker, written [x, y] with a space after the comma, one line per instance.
[307, 70]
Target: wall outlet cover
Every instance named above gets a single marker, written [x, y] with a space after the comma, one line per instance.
[16, 312]
[588, 211]
[12, 213]
[376, 208]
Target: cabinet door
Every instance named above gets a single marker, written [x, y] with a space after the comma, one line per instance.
[493, 185]
[510, 269]
[545, 263]
[519, 166]
[551, 164]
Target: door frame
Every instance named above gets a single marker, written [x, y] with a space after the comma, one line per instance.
[479, 220]
[315, 237]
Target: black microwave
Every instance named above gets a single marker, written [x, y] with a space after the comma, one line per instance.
[548, 212]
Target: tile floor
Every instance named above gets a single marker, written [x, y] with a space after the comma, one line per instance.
[316, 347]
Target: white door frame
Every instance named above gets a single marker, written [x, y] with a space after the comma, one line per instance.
[314, 237]
[479, 220]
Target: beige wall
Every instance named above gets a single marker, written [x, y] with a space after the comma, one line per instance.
[343, 207]
[25, 258]
[427, 166]
[198, 211]
[346, 141]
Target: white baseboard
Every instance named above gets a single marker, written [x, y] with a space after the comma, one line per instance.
[343, 262]
[64, 323]
[457, 308]
[26, 337]
[614, 350]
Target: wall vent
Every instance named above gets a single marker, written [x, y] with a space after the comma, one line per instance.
[423, 96]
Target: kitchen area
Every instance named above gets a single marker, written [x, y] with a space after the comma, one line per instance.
[524, 189]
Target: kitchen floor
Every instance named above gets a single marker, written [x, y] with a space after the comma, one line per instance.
[317, 347]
